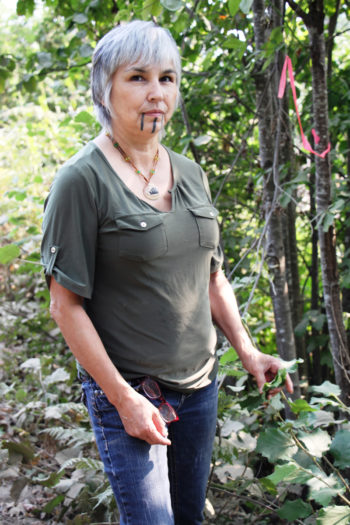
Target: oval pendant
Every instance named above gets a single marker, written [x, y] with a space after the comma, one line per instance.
[151, 191]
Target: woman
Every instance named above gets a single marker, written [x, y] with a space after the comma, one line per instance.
[131, 254]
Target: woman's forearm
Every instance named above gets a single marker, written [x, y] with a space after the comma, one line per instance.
[140, 418]
[226, 316]
[84, 342]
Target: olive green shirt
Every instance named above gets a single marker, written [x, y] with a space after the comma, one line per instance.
[143, 273]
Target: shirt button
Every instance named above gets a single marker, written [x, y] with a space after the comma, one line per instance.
[212, 213]
[143, 224]
[53, 249]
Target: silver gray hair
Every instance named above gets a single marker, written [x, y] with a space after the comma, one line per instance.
[136, 41]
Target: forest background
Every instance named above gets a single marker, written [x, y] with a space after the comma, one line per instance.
[284, 213]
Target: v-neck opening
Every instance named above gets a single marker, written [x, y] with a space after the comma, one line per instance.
[126, 187]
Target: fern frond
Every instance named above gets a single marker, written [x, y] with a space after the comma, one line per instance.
[71, 436]
[83, 463]
[104, 497]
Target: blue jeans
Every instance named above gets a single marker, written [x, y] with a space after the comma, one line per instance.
[156, 484]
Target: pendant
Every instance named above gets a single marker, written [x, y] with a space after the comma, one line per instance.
[151, 191]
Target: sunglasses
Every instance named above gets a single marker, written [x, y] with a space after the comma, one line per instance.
[152, 391]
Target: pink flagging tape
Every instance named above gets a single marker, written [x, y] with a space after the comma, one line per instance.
[281, 90]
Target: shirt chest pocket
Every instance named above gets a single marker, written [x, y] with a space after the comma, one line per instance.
[141, 237]
[208, 228]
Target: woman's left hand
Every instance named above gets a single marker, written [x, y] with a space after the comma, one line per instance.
[264, 368]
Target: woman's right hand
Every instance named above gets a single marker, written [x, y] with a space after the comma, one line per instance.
[141, 419]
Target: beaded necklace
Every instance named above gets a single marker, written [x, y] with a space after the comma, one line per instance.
[150, 191]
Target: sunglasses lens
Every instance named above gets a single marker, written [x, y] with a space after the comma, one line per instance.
[167, 412]
[151, 389]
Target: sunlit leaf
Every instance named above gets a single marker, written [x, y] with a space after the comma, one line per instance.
[334, 515]
[327, 389]
[202, 140]
[32, 363]
[245, 6]
[316, 442]
[172, 5]
[324, 488]
[80, 18]
[57, 376]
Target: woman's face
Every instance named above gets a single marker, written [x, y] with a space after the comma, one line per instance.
[143, 98]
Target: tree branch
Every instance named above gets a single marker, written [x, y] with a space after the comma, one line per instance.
[299, 11]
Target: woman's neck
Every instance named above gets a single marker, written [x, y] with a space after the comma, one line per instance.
[141, 150]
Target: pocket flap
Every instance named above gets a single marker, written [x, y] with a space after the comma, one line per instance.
[208, 212]
[138, 222]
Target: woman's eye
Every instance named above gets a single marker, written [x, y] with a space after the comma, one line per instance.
[167, 78]
[136, 78]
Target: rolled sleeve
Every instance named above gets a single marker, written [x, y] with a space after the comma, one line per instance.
[216, 260]
[70, 228]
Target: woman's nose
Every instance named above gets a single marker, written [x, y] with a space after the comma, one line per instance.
[155, 91]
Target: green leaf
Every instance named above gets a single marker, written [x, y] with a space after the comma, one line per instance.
[328, 221]
[340, 449]
[25, 7]
[21, 395]
[85, 118]
[269, 486]
[23, 448]
[293, 510]
[334, 515]
[236, 44]
[300, 405]
[51, 480]
[8, 253]
[321, 418]
[229, 357]
[275, 444]
[233, 6]
[157, 8]
[51, 505]
[280, 378]
[327, 389]
[287, 472]
[30, 83]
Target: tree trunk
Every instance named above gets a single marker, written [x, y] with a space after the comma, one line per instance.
[346, 291]
[314, 21]
[314, 270]
[289, 235]
[269, 138]
[330, 277]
